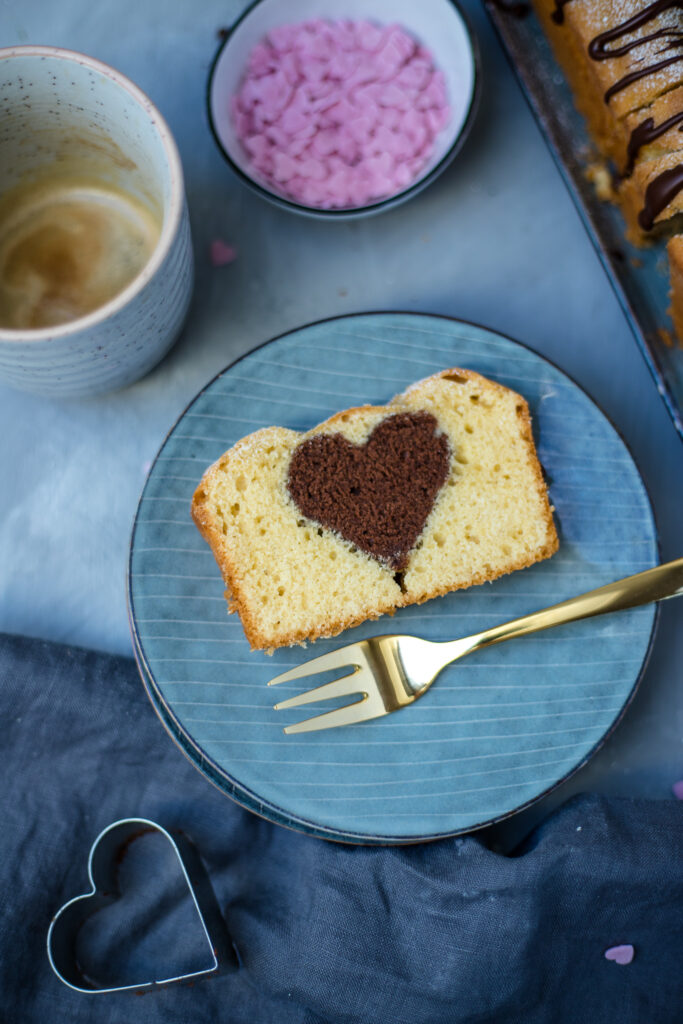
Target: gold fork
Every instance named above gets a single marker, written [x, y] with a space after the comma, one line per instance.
[389, 672]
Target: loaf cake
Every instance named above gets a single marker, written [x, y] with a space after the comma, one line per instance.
[624, 61]
[376, 508]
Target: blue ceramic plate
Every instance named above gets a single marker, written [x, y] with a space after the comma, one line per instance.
[497, 730]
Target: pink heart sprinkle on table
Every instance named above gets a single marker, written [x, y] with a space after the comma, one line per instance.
[221, 253]
[620, 954]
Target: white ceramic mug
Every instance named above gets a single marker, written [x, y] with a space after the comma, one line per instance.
[56, 105]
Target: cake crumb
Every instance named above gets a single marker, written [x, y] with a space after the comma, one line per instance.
[601, 179]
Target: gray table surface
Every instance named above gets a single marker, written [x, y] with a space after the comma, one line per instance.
[495, 240]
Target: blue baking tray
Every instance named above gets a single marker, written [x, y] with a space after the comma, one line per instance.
[639, 276]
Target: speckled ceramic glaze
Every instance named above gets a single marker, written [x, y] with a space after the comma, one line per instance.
[57, 105]
[498, 729]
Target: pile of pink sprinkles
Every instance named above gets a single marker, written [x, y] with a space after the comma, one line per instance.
[338, 114]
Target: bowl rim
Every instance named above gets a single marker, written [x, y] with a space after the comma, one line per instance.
[351, 212]
[171, 220]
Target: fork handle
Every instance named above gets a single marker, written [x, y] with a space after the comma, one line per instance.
[645, 587]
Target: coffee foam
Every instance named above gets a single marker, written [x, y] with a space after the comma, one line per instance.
[68, 247]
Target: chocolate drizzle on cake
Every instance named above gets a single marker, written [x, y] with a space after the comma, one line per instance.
[598, 47]
[645, 133]
[377, 495]
[617, 42]
[659, 194]
[634, 76]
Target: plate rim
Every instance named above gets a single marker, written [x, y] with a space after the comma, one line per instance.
[242, 794]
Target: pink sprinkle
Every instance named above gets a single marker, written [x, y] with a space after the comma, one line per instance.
[395, 51]
[420, 139]
[294, 120]
[258, 120]
[242, 123]
[392, 95]
[338, 113]
[302, 144]
[345, 35]
[323, 90]
[324, 143]
[261, 59]
[276, 136]
[313, 70]
[312, 193]
[380, 164]
[313, 169]
[402, 176]
[290, 69]
[386, 141]
[368, 35]
[342, 66]
[283, 37]
[319, 45]
[678, 789]
[366, 70]
[338, 182]
[342, 112]
[402, 42]
[367, 107]
[412, 121]
[249, 94]
[360, 127]
[435, 93]
[414, 75]
[264, 164]
[389, 61]
[347, 148]
[284, 167]
[620, 954]
[391, 117]
[437, 119]
[221, 253]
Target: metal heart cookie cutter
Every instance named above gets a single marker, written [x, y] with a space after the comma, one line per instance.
[103, 861]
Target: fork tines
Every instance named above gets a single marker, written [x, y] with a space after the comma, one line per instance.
[370, 704]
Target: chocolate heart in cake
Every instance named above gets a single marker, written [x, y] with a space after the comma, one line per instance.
[377, 495]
